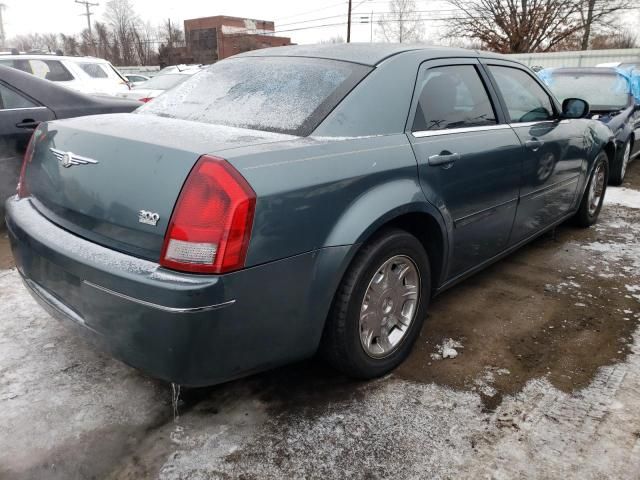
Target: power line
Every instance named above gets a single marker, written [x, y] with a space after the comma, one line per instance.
[87, 6]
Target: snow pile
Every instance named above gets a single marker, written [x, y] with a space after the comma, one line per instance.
[618, 254]
[545, 433]
[385, 429]
[634, 291]
[484, 382]
[625, 197]
[59, 394]
[447, 349]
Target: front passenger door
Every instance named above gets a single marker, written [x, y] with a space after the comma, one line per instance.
[553, 150]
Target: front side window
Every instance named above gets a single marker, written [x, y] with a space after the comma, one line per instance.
[453, 97]
[10, 99]
[277, 94]
[94, 70]
[526, 100]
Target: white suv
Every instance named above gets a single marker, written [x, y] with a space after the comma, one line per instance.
[84, 74]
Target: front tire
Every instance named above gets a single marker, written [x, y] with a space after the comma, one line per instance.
[619, 168]
[593, 197]
[380, 306]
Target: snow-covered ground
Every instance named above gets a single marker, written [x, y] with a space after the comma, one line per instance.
[68, 411]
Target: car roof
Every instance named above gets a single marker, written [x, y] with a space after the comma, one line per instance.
[44, 91]
[363, 53]
[44, 56]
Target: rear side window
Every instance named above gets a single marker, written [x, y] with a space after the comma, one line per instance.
[453, 97]
[526, 100]
[94, 70]
[10, 99]
[18, 64]
[52, 70]
[277, 94]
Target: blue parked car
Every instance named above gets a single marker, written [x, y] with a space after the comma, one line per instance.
[294, 200]
[614, 98]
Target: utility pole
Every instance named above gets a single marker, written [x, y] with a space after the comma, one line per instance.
[87, 6]
[2, 38]
[349, 24]
[371, 27]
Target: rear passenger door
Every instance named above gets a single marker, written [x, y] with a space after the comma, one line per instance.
[468, 159]
[553, 156]
[19, 116]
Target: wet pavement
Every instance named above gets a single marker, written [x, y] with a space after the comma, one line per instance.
[545, 384]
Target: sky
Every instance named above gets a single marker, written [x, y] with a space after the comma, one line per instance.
[292, 17]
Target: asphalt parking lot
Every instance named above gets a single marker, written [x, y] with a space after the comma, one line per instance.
[545, 384]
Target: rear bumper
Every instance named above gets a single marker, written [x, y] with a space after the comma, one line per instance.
[189, 329]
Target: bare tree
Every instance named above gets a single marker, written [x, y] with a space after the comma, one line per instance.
[86, 46]
[51, 41]
[333, 40]
[509, 26]
[144, 42]
[29, 42]
[402, 23]
[69, 44]
[103, 38]
[121, 16]
[624, 39]
[171, 35]
[598, 14]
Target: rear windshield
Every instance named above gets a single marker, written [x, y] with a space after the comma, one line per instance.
[603, 91]
[276, 94]
[163, 82]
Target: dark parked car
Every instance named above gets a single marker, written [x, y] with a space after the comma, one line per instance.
[614, 98]
[297, 199]
[26, 100]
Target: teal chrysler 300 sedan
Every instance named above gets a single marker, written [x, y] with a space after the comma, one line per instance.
[294, 200]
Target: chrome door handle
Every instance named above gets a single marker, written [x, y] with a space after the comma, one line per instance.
[443, 159]
[534, 145]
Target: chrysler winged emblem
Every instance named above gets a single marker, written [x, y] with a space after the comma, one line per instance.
[69, 159]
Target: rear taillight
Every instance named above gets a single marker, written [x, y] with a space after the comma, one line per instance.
[211, 224]
[145, 99]
[22, 189]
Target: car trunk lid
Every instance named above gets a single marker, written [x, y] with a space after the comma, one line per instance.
[114, 179]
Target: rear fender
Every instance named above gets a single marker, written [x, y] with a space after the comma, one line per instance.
[378, 206]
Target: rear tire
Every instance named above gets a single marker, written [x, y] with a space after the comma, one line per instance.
[619, 167]
[593, 197]
[380, 306]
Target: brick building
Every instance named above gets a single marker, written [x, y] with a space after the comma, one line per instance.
[213, 38]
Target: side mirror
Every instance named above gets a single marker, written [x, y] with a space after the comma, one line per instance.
[574, 108]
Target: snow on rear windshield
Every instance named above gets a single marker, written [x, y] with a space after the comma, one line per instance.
[278, 94]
